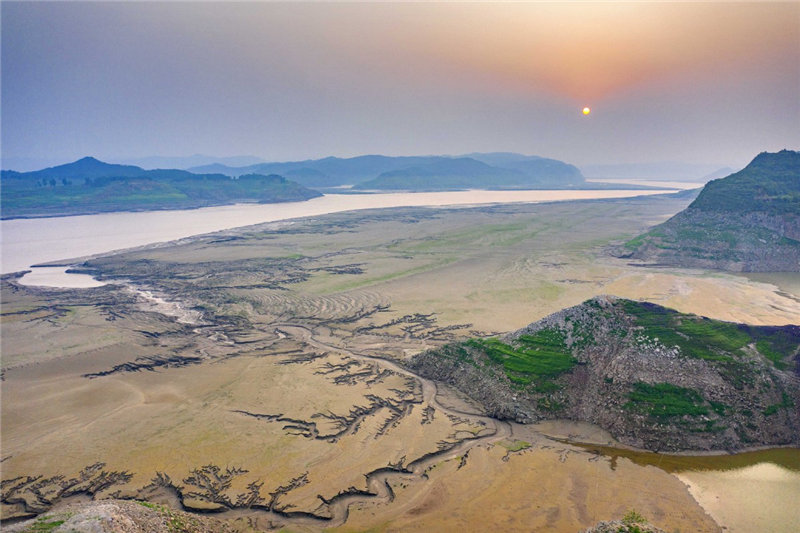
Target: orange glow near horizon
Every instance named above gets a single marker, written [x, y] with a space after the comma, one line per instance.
[599, 50]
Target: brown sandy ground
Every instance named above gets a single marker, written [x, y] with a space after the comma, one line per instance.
[545, 487]
[271, 405]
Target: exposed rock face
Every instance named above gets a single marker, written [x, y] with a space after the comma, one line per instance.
[120, 516]
[748, 222]
[651, 376]
[619, 526]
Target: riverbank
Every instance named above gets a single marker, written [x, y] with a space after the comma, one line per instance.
[34, 241]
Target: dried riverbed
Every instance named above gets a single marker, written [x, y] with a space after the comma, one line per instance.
[283, 405]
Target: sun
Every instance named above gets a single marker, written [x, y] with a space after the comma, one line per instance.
[587, 110]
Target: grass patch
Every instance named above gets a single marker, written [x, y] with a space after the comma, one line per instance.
[696, 337]
[719, 407]
[664, 400]
[44, 525]
[147, 504]
[516, 446]
[636, 242]
[536, 359]
[633, 517]
[786, 403]
[776, 344]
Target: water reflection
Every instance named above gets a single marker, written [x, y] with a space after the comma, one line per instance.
[58, 277]
[788, 458]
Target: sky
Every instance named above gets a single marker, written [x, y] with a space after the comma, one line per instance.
[693, 82]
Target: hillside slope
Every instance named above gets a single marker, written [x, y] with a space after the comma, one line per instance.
[748, 221]
[472, 173]
[119, 516]
[476, 170]
[653, 377]
[92, 186]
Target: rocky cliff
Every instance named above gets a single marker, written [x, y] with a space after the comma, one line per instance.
[653, 377]
[748, 221]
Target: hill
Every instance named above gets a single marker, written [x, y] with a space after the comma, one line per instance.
[444, 173]
[477, 170]
[748, 221]
[119, 516]
[653, 377]
[87, 167]
[92, 186]
[471, 173]
[326, 172]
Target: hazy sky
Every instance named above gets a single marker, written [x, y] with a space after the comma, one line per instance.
[695, 82]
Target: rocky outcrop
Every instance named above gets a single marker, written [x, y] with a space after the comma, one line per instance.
[120, 516]
[746, 222]
[620, 526]
[653, 377]
[735, 242]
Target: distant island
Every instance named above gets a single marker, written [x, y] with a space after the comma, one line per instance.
[651, 376]
[494, 170]
[92, 186]
[481, 171]
[748, 221]
[379, 172]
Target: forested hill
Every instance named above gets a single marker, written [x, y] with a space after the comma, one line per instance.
[748, 221]
[476, 170]
[472, 173]
[92, 186]
[770, 183]
[653, 377]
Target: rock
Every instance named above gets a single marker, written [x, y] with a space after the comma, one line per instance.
[703, 385]
[119, 516]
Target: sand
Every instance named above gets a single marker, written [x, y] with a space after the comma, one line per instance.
[302, 309]
[761, 497]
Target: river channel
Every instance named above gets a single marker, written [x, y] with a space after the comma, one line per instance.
[32, 241]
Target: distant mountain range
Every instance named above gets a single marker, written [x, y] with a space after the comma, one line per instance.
[92, 186]
[378, 172]
[185, 162]
[89, 185]
[651, 376]
[748, 221]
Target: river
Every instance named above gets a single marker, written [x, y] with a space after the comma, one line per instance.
[749, 491]
[32, 241]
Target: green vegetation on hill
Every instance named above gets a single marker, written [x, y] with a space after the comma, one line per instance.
[653, 376]
[469, 173]
[770, 183]
[748, 221]
[89, 185]
[698, 337]
[534, 358]
[664, 400]
[478, 170]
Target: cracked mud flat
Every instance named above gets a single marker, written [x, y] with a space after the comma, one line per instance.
[260, 382]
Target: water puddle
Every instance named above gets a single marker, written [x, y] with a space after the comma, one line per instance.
[58, 277]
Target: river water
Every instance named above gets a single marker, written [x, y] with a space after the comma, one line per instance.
[32, 241]
[750, 491]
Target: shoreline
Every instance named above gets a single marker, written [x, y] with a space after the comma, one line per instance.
[169, 226]
[569, 432]
[647, 190]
